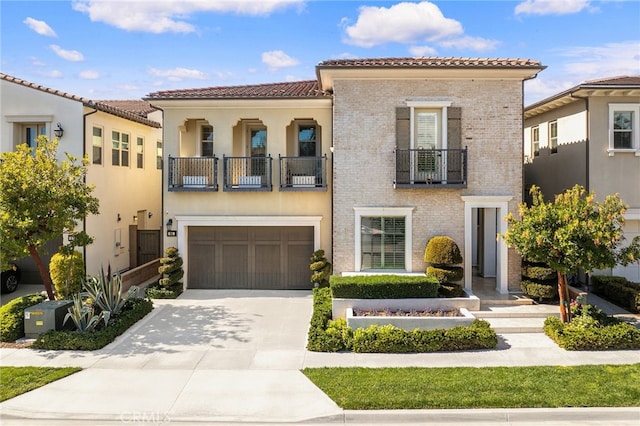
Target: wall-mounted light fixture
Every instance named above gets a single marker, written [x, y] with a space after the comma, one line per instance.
[58, 131]
[118, 218]
[169, 223]
[150, 214]
[135, 218]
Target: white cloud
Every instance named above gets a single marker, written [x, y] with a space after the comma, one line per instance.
[89, 75]
[36, 61]
[471, 43]
[401, 23]
[178, 74]
[422, 51]
[40, 27]
[277, 59]
[68, 55]
[171, 15]
[551, 7]
[50, 73]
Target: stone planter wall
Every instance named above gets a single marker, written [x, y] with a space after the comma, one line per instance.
[339, 306]
[410, 323]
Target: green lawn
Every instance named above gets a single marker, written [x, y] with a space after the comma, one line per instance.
[18, 380]
[489, 387]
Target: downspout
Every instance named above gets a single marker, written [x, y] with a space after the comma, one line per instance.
[162, 171]
[84, 153]
[588, 133]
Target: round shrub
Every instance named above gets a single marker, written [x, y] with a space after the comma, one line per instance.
[67, 274]
[450, 290]
[540, 291]
[449, 275]
[541, 273]
[442, 250]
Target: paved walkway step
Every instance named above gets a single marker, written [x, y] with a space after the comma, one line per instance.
[516, 318]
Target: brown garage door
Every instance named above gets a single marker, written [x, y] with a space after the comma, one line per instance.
[250, 257]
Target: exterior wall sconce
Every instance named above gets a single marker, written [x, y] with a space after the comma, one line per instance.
[135, 218]
[58, 131]
[169, 223]
[118, 218]
[170, 232]
[150, 214]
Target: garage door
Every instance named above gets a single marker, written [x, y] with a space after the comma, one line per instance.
[250, 257]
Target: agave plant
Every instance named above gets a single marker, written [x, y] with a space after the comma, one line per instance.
[107, 294]
[83, 315]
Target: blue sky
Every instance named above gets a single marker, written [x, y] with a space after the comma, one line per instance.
[118, 49]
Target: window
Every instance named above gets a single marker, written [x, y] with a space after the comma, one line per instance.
[307, 141]
[258, 142]
[32, 132]
[140, 152]
[206, 141]
[119, 149]
[623, 127]
[535, 140]
[383, 238]
[159, 155]
[97, 142]
[553, 136]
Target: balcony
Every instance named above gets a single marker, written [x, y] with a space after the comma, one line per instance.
[193, 174]
[303, 173]
[431, 168]
[247, 173]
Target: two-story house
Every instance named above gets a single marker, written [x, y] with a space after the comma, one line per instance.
[589, 135]
[367, 162]
[123, 143]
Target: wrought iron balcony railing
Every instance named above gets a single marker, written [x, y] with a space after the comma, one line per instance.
[303, 173]
[431, 168]
[247, 173]
[193, 173]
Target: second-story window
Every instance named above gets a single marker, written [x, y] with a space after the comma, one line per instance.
[140, 152]
[119, 149]
[553, 136]
[307, 141]
[535, 140]
[624, 124]
[159, 155]
[97, 143]
[125, 150]
[206, 141]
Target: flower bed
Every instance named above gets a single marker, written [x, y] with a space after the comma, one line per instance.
[424, 319]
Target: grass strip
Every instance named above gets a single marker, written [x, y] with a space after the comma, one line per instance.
[15, 381]
[487, 387]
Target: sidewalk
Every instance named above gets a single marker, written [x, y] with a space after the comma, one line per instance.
[235, 357]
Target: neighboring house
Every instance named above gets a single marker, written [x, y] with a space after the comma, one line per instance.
[123, 143]
[368, 162]
[589, 135]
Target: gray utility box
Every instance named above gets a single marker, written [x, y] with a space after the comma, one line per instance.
[46, 316]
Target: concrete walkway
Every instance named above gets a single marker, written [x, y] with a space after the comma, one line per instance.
[235, 357]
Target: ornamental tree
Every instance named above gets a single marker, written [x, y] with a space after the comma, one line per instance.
[574, 232]
[40, 198]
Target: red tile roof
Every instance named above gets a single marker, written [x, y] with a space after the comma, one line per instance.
[431, 62]
[129, 110]
[296, 89]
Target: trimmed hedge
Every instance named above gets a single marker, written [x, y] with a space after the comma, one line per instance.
[540, 273]
[442, 251]
[383, 287]
[390, 339]
[327, 335]
[540, 291]
[134, 310]
[592, 330]
[618, 290]
[449, 275]
[12, 316]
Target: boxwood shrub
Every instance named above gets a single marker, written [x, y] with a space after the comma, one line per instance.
[538, 290]
[327, 335]
[592, 330]
[133, 311]
[618, 290]
[12, 316]
[383, 286]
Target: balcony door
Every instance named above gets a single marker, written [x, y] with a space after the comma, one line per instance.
[428, 162]
[257, 150]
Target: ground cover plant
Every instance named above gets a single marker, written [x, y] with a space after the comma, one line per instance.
[15, 381]
[488, 387]
[592, 330]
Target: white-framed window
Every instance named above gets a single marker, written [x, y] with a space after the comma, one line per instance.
[159, 155]
[206, 140]
[97, 142]
[535, 140]
[624, 126]
[428, 123]
[140, 152]
[119, 149]
[553, 136]
[383, 238]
